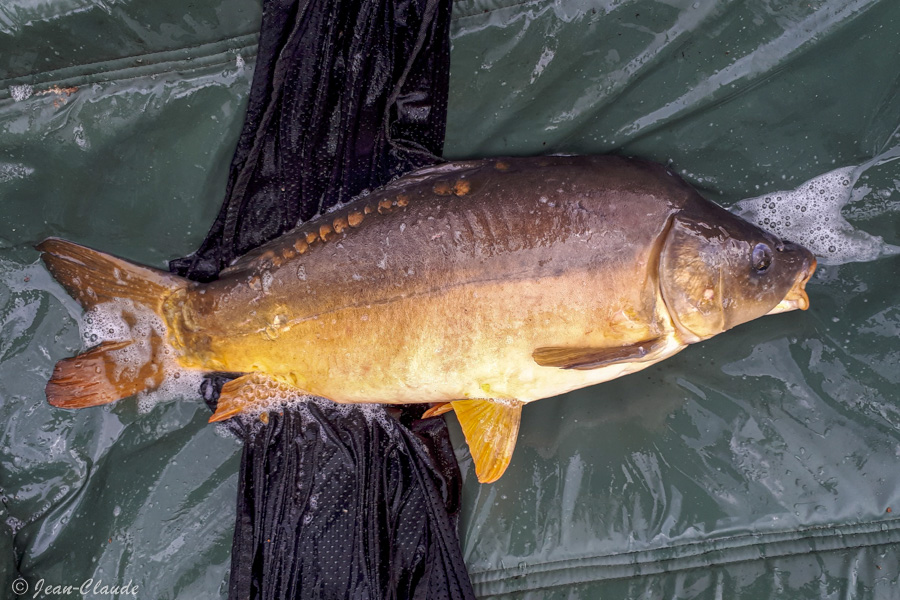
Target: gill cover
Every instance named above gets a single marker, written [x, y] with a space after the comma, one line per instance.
[691, 278]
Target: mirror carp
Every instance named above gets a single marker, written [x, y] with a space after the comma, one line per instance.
[477, 286]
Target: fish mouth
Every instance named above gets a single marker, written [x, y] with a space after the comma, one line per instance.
[797, 297]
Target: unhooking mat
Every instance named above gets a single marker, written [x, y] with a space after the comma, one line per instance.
[762, 463]
[337, 502]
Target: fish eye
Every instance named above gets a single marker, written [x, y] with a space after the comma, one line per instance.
[761, 258]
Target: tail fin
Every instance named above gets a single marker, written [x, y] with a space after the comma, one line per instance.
[114, 369]
[93, 277]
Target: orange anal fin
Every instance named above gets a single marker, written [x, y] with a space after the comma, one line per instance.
[437, 410]
[99, 376]
[491, 428]
[251, 392]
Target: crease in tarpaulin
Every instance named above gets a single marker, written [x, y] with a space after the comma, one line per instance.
[346, 96]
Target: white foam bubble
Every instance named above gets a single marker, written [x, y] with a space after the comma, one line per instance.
[123, 320]
[21, 92]
[105, 323]
[10, 171]
[278, 399]
[811, 215]
[177, 383]
[222, 430]
[80, 138]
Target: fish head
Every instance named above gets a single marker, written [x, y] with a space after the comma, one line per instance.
[717, 271]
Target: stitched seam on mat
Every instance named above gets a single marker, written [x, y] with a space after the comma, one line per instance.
[154, 63]
[588, 579]
[763, 538]
[640, 561]
[125, 78]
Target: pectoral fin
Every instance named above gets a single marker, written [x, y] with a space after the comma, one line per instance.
[251, 392]
[593, 358]
[491, 428]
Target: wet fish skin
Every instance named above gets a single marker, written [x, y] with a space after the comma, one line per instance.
[487, 284]
[435, 273]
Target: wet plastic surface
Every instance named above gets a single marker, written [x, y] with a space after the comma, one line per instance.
[57, 41]
[760, 463]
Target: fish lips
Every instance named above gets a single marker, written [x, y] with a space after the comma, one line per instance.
[797, 298]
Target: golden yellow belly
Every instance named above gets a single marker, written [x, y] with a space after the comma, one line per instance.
[472, 341]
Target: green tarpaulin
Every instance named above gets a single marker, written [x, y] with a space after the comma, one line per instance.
[761, 463]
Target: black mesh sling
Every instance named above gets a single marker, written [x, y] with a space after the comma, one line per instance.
[347, 95]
